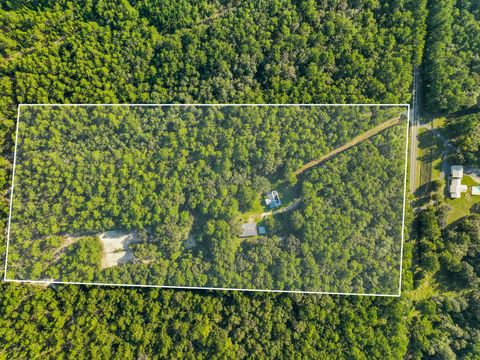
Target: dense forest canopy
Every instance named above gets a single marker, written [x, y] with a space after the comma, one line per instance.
[452, 64]
[159, 51]
[449, 322]
[183, 175]
[465, 136]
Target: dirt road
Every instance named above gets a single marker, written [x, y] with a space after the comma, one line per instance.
[367, 134]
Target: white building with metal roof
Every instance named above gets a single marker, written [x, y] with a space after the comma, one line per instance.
[456, 186]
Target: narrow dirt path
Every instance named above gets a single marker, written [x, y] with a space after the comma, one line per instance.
[289, 207]
[67, 241]
[367, 134]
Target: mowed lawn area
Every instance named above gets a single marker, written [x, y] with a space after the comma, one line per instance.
[461, 207]
[431, 153]
[430, 150]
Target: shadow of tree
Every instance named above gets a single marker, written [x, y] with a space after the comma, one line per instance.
[423, 195]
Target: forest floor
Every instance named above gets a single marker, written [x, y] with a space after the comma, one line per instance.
[190, 242]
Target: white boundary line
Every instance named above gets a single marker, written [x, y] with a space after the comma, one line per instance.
[196, 288]
[223, 105]
[404, 201]
[11, 194]
[46, 282]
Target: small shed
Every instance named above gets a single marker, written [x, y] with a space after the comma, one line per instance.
[475, 190]
[248, 229]
[262, 230]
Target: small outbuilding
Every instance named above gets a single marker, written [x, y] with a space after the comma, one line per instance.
[475, 190]
[248, 229]
[262, 230]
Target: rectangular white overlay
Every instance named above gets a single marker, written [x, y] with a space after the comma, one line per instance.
[208, 288]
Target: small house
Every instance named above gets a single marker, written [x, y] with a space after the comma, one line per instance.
[273, 200]
[456, 186]
[248, 229]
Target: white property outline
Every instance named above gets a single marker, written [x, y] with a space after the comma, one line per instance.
[47, 282]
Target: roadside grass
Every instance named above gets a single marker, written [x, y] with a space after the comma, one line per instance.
[436, 169]
[430, 154]
[461, 207]
[425, 152]
[423, 175]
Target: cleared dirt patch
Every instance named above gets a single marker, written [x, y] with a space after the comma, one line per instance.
[115, 247]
